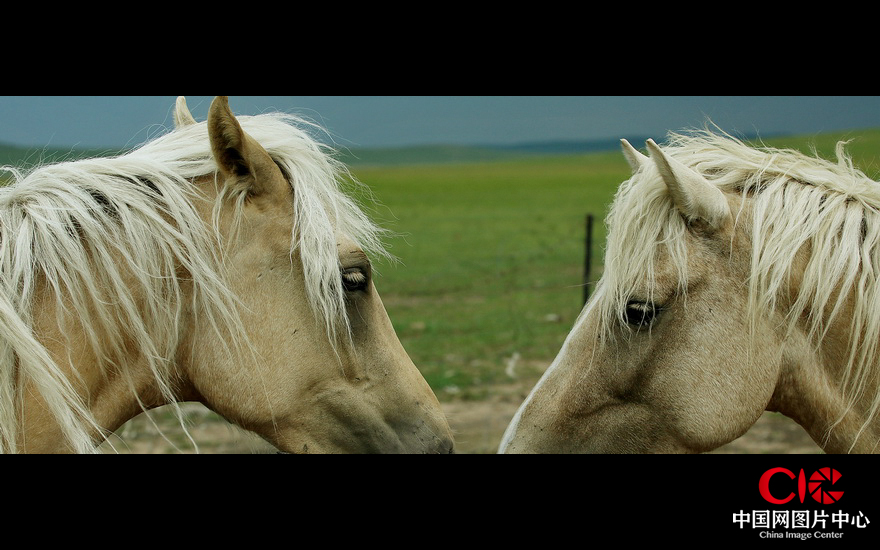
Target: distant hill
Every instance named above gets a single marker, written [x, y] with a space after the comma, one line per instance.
[562, 147]
[19, 156]
[446, 154]
[422, 154]
[865, 144]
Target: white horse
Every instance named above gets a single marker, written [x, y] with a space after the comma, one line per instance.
[220, 263]
[737, 280]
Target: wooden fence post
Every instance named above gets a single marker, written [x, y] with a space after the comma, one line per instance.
[588, 253]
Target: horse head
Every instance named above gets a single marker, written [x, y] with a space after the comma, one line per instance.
[220, 263]
[338, 383]
[730, 287]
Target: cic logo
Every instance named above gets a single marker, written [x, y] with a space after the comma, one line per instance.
[819, 485]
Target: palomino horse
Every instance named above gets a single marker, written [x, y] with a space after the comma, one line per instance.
[736, 280]
[220, 263]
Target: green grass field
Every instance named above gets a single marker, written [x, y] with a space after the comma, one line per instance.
[491, 255]
[491, 258]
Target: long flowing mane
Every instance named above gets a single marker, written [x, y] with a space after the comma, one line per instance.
[113, 241]
[798, 202]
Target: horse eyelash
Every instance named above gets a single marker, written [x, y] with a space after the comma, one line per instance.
[648, 310]
[354, 279]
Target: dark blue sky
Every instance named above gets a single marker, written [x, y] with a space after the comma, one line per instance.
[379, 121]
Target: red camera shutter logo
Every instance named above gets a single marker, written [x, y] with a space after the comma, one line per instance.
[819, 485]
[823, 495]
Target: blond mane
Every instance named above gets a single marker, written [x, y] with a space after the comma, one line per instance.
[64, 227]
[797, 202]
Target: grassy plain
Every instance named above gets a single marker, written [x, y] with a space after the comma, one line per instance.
[491, 259]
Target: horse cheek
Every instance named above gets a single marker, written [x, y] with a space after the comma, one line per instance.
[721, 382]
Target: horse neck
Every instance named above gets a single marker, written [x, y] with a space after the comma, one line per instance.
[818, 388]
[114, 391]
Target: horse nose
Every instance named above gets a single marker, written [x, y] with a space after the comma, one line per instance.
[431, 436]
[446, 447]
[441, 446]
[431, 443]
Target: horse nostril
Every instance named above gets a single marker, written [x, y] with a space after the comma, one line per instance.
[447, 446]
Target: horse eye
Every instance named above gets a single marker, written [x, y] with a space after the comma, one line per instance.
[640, 314]
[354, 279]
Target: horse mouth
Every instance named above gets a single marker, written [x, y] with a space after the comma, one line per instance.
[442, 446]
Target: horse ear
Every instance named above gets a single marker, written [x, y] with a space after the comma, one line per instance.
[693, 195]
[239, 157]
[633, 157]
[182, 116]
